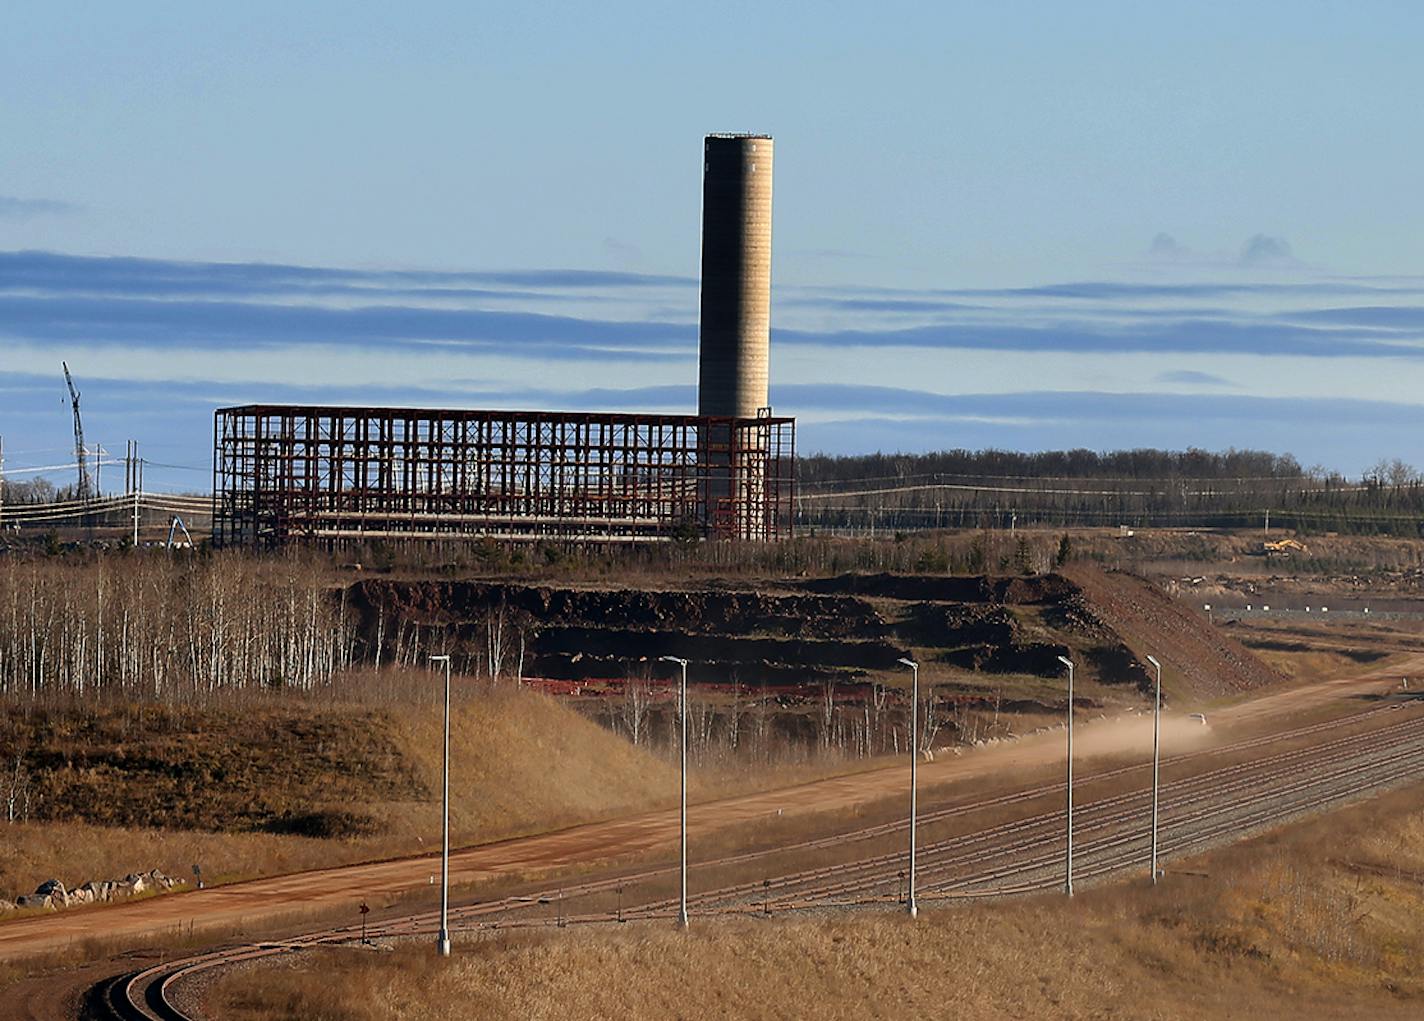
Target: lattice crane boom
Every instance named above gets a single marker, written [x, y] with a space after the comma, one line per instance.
[80, 455]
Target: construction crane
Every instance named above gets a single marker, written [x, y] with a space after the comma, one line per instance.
[79, 453]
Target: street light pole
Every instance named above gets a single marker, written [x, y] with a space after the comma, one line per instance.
[1156, 760]
[1068, 863]
[911, 906]
[442, 942]
[682, 823]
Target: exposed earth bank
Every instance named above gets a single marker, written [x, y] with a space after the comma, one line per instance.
[976, 633]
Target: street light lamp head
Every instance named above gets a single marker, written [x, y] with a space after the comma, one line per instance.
[909, 663]
[1066, 662]
[673, 659]
[439, 659]
[1153, 661]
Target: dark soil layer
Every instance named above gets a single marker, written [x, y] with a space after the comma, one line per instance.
[841, 628]
[593, 641]
[582, 634]
[285, 770]
[1015, 591]
[703, 612]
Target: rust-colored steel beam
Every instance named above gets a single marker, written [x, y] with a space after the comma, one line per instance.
[341, 475]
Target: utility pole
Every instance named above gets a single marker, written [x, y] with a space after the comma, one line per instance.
[134, 483]
[443, 939]
[1156, 760]
[682, 825]
[1068, 862]
[910, 906]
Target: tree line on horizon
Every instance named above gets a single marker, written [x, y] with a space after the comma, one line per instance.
[1082, 488]
[1142, 487]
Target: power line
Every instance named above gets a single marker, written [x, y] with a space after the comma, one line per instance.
[180, 467]
[1041, 491]
[1126, 516]
[1175, 479]
[39, 469]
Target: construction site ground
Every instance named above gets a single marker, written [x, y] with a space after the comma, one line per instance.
[1249, 688]
[293, 899]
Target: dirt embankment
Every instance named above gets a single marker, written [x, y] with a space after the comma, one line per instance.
[1199, 660]
[998, 625]
[582, 634]
[825, 629]
[828, 630]
[708, 611]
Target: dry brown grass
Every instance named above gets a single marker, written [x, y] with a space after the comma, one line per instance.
[1311, 665]
[521, 763]
[1321, 920]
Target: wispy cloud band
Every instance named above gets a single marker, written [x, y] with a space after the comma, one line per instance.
[1317, 366]
[46, 296]
[13, 207]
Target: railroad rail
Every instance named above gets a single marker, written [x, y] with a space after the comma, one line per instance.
[1017, 856]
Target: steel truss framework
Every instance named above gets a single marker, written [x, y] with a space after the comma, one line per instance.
[289, 473]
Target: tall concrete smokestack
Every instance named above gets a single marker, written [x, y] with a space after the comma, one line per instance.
[735, 335]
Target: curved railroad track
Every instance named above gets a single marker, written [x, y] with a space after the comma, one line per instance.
[1020, 855]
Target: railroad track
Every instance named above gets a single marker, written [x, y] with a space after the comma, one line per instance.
[927, 819]
[134, 996]
[1262, 778]
[1021, 855]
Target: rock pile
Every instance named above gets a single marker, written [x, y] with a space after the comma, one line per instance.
[51, 894]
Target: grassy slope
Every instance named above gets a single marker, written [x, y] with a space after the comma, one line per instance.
[1300, 923]
[521, 762]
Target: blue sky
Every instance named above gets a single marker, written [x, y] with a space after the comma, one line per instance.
[1016, 225]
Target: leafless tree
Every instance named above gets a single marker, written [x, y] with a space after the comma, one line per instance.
[702, 716]
[761, 723]
[930, 721]
[17, 787]
[879, 698]
[494, 632]
[828, 711]
[164, 628]
[734, 723]
[636, 697]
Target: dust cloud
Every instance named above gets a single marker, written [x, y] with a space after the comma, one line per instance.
[1126, 737]
[1132, 735]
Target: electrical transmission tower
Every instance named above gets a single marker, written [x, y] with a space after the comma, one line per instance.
[80, 455]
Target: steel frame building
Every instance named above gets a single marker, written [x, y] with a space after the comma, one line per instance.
[341, 475]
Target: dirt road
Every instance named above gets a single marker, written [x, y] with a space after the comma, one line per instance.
[246, 903]
[1323, 694]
